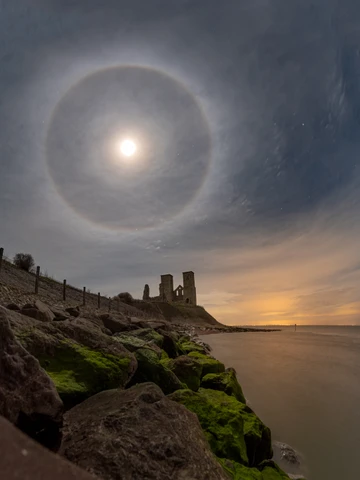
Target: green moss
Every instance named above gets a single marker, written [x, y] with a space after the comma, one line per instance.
[79, 372]
[232, 428]
[186, 346]
[130, 342]
[240, 472]
[225, 382]
[271, 471]
[164, 356]
[224, 428]
[188, 370]
[209, 364]
[151, 369]
[149, 335]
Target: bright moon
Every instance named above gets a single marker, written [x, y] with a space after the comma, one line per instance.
[128, 148]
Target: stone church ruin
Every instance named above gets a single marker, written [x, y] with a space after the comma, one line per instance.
[185, 293]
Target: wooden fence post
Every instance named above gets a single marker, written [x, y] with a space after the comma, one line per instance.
[84, 294]
[37, 280]
[1, 257]
[64, 290]
[99, 300]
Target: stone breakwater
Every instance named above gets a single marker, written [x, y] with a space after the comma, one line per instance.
[122, 398]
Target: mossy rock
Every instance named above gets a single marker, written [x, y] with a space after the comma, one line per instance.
[186, 346]
[130, 342]
[188, 370]
[209, 364]
[224, 382]
[151, 369]
[271, 471]
[149, 335]
[80, 372]
[232, 428]
[237, 471]
[223, 427]
[170, 343]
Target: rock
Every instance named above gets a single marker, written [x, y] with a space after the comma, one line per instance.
[169, 343]
[188, 370]
[115, 325]
[31, 312]
[77, 355]
[132, 343]
[60, 315]
[151, 369]
[28, 397]
[46, 315]
[136, 434]
[209, 364]
[287, 453]
[39, 311]
[150, 335]
[22, 458]
[225, 382]
[289, 460]
[233, 430]
[187, 346]
[270, 470]
[27, 305]
[13, 306]
[240, 472]
[73, 311]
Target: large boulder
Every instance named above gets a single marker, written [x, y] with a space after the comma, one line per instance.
[22, 458]
[169, 343]
[232, 428]
[152, 369]
[133, 343]
[39, 311]
[187, 346]
[209, 364]
[150, 335]
[28, 397]
[120, 323]
[77, 355]
[187, 369]
[136, 434]
[225, 382]
[73, 311]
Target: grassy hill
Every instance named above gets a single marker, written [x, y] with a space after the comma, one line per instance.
[18, 287]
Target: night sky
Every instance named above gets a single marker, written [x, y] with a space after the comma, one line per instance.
[246, 118]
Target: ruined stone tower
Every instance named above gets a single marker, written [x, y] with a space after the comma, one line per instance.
[167, 288]
[182, 294]
[189, 288]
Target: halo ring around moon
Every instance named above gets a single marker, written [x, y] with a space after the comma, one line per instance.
[171, 130]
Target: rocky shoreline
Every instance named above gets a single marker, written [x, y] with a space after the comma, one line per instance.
[121, 397]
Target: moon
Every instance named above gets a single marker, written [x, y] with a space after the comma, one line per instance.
[128, 148]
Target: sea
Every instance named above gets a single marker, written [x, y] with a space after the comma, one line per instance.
[304, 385]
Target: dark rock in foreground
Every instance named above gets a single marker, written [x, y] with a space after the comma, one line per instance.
[28, 397]
[22, 458]
[138, 434]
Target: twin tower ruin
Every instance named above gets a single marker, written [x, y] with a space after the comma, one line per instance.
[184, 294]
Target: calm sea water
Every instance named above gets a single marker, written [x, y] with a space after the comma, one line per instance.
[305, 386]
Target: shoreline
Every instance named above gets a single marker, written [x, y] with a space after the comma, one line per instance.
[210, 331]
